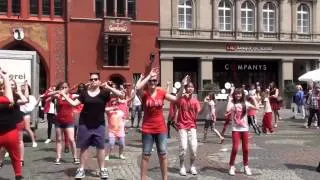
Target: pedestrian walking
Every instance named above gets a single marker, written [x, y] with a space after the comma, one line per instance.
[267, 116]
[275, 101]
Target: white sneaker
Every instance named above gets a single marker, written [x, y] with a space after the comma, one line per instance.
[183, 171]
[47, 141]
[193, 170]
[232, 171]
[122, 157]
[247, 171]
[34, 145]
[106, 158]
[6, 154]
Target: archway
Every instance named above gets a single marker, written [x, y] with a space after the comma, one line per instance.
[43, 84]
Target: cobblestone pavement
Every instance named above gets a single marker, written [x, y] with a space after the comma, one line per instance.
[291, 153]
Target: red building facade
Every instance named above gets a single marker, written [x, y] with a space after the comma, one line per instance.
[75, 37]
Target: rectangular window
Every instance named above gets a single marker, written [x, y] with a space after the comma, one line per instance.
[3, 6]
[132, 9]
[117, 51]
[121, 8]
[46, 7]
[34, 10]
[99, 8]
[110, 8]
[16, 6]
[58, 4]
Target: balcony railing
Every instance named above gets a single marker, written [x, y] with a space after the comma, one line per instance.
[235, 35]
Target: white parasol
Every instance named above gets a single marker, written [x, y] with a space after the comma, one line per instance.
[310, 76]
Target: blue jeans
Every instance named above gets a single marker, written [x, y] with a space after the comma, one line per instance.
[159, 139]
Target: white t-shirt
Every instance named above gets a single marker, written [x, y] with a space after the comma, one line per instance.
[52, 108]
[29, 107]
[237, 112]
[136, 100]
[267, 106]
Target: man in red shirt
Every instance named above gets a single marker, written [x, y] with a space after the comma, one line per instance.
[188, 109]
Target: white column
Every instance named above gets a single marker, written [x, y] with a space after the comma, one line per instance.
[206, 70]
[286, 71]
[215, 22]
[166, 70]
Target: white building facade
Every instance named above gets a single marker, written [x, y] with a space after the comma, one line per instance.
[239, 41]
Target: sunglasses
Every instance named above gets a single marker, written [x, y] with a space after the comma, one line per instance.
[65, 87]
[94, 79]
[153, 81]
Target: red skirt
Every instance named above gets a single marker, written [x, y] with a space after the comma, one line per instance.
[275, 104]
[21, 125]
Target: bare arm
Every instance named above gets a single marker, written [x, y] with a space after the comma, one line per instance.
[7, 87]
[72, 102]
[184, 82]
[113, 90]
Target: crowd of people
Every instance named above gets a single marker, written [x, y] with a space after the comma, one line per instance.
[81, 113]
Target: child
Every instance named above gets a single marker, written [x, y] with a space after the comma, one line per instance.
[188, 109]
[238, 107]
[267, 117]
[211, 118]
[116, 125]
[252, 115]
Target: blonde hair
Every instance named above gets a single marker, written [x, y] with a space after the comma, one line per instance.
[299, 87]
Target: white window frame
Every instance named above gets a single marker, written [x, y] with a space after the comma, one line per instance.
[224, 8]
[267, 9]
[184, 21]
[301, 12]
[246, 9]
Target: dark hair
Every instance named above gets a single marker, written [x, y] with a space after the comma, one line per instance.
[212, 96]
[59, 85]
[29, 89]
[83, 86]
[272, 85]
[242, 100]
[95, 73]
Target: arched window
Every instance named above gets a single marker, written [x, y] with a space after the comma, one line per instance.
[303, 19]
[269, 17]
[247, 17]
[185, 14]
[225, 16]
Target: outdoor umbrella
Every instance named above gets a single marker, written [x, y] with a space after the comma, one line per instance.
[310, 76]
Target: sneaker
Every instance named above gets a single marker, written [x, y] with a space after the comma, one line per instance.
[193, 170]
[232, 171]
[34, 145]
[80, 173]
[104, 173]
[183, 171]
[275, 125]
[122, 157]
[19, 177]
[57, 162]
[6, 155]
[76, 161]
[66, 150]
[106, 158]
[47, 141]
[318, 168]
[1, 165]
[247, 171]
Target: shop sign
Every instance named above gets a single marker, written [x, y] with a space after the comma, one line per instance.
[247, 48]
[245, 67]
[118, 26]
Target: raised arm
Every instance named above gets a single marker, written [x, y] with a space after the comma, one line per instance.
[184, 82]
[113, 90]
[72, 102]
[7, 87]
[26, 89]
[22, 98]
[142, 82]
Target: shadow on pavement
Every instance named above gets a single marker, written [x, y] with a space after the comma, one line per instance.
[70, 172]
[4, 179]
[47, 159]
[48, 149]
[209, 168]
[301, 166]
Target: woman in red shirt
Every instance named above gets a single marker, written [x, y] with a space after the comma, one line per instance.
[10, 116]
[153, 126]
[64, 122]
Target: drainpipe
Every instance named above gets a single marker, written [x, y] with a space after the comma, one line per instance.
[66, 13]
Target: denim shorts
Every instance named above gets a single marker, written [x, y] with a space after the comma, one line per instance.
[91, 137]
[63, 126]
[159, 139]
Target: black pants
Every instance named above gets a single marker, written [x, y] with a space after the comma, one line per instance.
[253, 124]
[313, 112]
[170, 124]
[51, 119]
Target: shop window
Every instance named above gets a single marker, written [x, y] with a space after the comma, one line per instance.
[3, 6]
[34, 10]
[117, 51]
[46, 7]
[58, 7]
[110, 8]
[132, 9]
[185, 14]
[225, 18]
[121, 8]
[16, 7]
[303, 19]
[99, 8]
